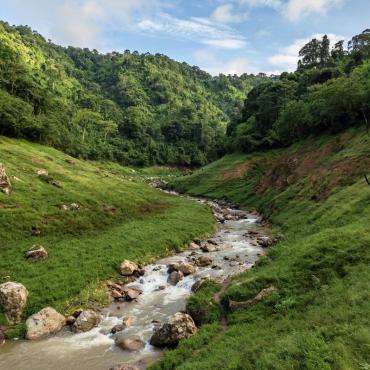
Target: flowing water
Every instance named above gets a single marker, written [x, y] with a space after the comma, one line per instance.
[95, 350]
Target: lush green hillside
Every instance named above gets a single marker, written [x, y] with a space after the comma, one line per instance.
[329, 92]
[132, 108]
[118, 218]
[316, 196]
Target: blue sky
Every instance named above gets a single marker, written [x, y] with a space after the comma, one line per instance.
[220, 36]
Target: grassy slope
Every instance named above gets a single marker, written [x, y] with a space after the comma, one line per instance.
[85, 246]
[316, 196]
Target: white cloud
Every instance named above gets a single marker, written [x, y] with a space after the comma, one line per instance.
[82, 22]
[297, 9]
[287, 58]
[275, 4]
[293, 10]
[226, 13]
[210, 61]
[200, 30]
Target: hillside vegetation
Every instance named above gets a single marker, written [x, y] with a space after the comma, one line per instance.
[115, 219]
[315, 195]
[132, 108]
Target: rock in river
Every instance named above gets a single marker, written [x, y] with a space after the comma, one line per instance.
[129, 343]
[85, 321]
[45, 322]
[203, 261]
[128, 268]
[179, 326]
[13, 298]
[174, 277]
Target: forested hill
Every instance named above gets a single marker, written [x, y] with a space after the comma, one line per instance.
[133, 108]
[328, 93]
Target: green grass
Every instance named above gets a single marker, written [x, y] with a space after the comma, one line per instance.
[318, 318]
[85, 246]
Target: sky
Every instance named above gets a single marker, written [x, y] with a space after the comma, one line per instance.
[219, 36]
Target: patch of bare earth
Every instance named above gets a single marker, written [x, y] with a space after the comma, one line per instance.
[238, 172]
[323, 175]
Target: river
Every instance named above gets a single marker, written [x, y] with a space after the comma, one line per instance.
[95, 350]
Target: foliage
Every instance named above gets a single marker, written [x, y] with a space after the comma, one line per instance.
[133, 108]
[329, 92]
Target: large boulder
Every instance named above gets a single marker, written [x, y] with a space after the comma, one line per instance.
[37, 253]
[5, 184]
[129, 343]
[174, 277]
[45, 322]
[13, 299]
[178, 327]
[85, 321]
[128, 268]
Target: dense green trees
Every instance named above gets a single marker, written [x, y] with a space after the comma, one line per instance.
[329, 92]
[132, 108]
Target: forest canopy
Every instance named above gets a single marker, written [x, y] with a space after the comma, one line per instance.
[133, 108]
[329, 92]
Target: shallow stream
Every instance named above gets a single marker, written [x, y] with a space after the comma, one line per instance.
[95, 350]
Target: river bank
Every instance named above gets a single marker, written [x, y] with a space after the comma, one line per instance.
[236, 249]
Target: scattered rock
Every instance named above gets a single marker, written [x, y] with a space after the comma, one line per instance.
[70, 320]
[43, 173]
[161, 287]
[251, 302]
[124, 367]
[13, 299]
[185, 267]
[203, 261]
[193, 246]
[179, 326]
[5, 184]
[132, 293]
[117, 328]
[175, 277]
[208, 247]
[70, 161]
[77, 312]
[116, 294]
[266, 242]
[128, 268]
[129, 343]
[64, 207]
[37, 253]
[128, 321]
[35, 231]
[75, 206]
[85, 321]
[45, 322]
